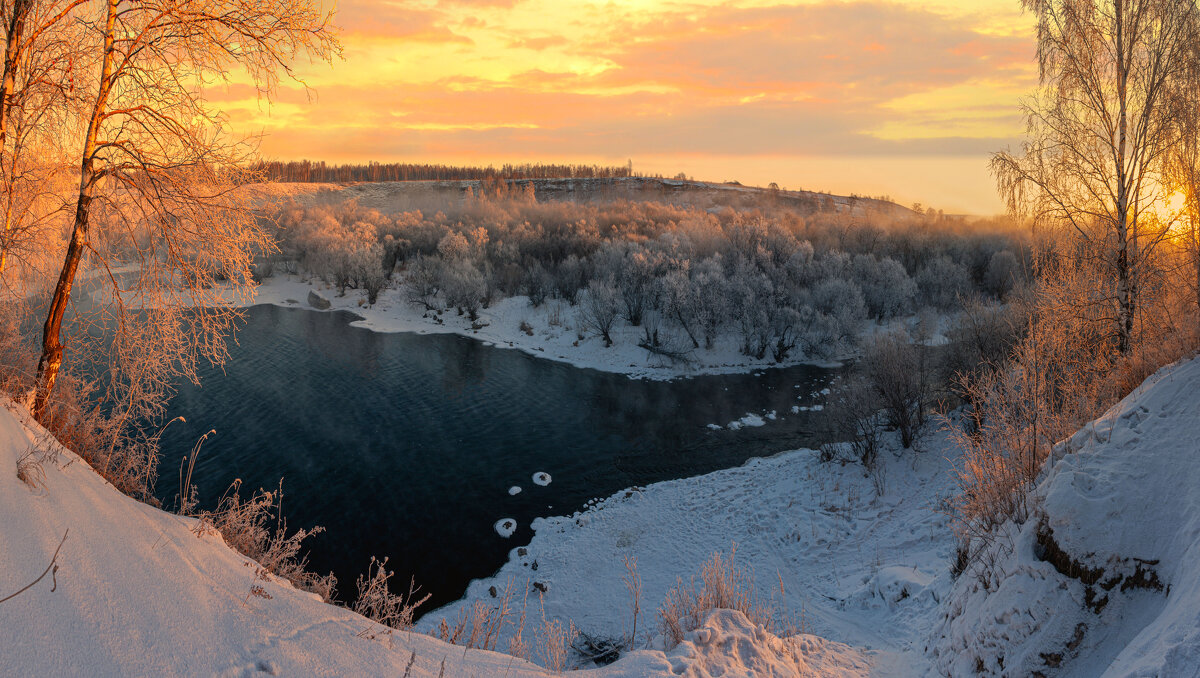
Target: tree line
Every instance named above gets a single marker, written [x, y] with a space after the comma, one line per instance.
[309, 171]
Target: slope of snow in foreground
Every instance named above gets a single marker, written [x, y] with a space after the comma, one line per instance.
[1104, 579]
[138, 593]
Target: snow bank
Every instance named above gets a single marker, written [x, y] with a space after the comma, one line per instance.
[138, 592]
[556, 333]
[1104, 580]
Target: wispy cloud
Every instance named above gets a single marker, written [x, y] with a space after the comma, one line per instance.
[628, 78]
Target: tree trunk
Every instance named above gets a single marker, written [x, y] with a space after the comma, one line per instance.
[52, 349]
[1124, 283]
[16, 28]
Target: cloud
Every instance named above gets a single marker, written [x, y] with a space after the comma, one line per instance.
[539, 78]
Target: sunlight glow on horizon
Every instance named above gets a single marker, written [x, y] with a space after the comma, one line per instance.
[899, 98]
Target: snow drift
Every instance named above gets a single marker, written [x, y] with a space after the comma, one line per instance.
[1104, 579]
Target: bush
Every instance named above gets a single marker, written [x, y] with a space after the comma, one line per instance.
[599, 309]
[942, 283]
[891, 366]
[246, 527]
[377, 603]
[855, 419]
[722, 585]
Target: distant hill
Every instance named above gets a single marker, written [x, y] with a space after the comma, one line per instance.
[400, 195]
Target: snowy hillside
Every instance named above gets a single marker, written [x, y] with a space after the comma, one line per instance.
[392, 195]
[1105, 579]
[137, 592]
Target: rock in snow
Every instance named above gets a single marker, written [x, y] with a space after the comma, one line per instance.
[541, 478]
[317, 301]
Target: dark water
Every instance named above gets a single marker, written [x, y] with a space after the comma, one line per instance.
[405, 446]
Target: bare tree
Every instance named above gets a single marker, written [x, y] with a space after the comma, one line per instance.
[158, 169]
[599, 309]
[1183, 172]
[1097, 132]
[41, 48]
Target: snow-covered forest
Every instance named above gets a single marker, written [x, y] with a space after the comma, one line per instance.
[784, 281]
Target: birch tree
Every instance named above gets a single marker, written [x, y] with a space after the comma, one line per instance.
[1097, 132]
[1184, 169]
[41, 52]
[158, 171]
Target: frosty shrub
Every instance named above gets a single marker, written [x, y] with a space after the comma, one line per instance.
[599, 308]
[377, 603]
[722, 585]
[424, 281]
[855, 418]
[891, 367]
[887, 290]
[463, 286]
[255, 528]
[479, 624]
[1003, 273]
[942, 282]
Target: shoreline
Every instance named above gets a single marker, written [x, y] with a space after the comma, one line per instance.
[553, 331]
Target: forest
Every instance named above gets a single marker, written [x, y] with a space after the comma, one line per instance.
[787, 282]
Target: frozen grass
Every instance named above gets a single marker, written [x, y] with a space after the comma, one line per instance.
[246, 525]
[479, 625]
[377, 603]
[723, 585]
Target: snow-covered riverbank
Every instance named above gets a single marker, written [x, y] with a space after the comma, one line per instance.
[551, 331]
[857, 567]
[1103, 582]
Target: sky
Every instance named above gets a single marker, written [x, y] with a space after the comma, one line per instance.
[905, 99]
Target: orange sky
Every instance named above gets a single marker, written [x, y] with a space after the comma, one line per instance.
[898, 98]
